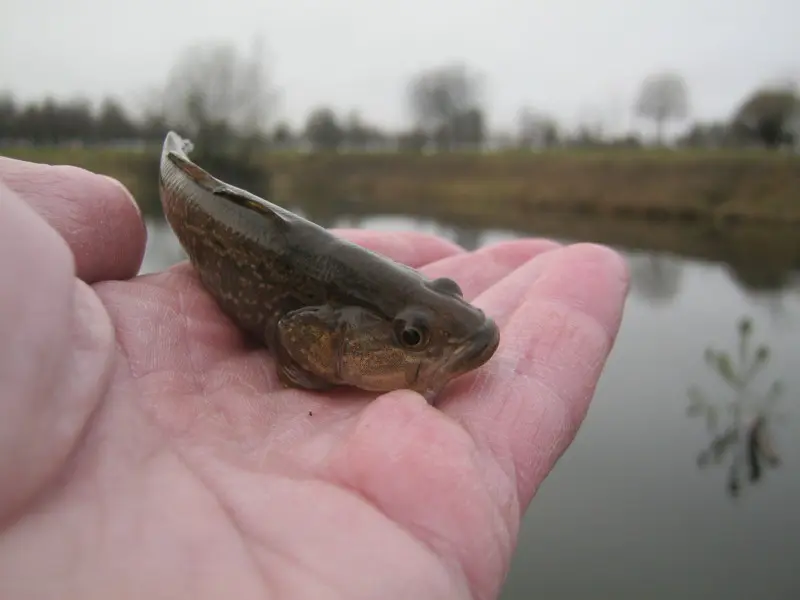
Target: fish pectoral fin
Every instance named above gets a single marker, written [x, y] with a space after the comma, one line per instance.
[293, 375]
[307, 347]
[314, 338]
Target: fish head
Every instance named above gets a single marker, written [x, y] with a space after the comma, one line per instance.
[422, 346]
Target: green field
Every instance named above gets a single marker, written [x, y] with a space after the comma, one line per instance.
[747, 186]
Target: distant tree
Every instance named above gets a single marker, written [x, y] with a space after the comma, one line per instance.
[113, 122]
[50, 122]
[75, 120]
[587, 135]
[769, 116]
[8, 116]
[360, 135]
[413, 141]
[629, 140]
[323, 130]
[440, 100]
[357, 134]
[536, 130]
[663, 97]
[219, 98]
[28, 124]
[153, 127]
[469, 127]
[706, 135]
[49, 125]
[282, 135]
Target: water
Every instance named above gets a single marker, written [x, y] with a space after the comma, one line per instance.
[627, 513]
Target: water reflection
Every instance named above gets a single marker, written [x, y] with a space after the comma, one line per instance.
[467, 237]
[163, 249]
[744, 437]
[656, 278]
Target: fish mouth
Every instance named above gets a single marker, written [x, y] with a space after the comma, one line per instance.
[479, 348]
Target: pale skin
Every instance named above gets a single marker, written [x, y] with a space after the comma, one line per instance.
[148, 451]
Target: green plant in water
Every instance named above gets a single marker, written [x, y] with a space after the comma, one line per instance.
[745, 436]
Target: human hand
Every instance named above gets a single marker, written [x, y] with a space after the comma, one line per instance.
[147, 450]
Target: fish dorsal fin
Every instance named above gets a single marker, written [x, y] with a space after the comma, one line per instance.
[210, 184]
[252, 202]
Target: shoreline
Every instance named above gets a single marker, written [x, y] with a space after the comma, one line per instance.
[715, 187]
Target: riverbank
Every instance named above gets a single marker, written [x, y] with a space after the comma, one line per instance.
[742, 186]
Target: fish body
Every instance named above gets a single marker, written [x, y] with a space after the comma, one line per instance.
[330, 311]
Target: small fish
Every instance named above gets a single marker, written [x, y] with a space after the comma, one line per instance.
[330, 312]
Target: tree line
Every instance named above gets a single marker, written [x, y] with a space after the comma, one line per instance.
[226, 101]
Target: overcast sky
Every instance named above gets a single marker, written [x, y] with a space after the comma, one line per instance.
[577, 59]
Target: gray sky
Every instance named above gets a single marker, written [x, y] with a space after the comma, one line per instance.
[577, 59]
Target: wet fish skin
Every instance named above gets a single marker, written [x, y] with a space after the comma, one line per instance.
[331, 312]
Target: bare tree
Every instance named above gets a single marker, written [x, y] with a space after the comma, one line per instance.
[663, 97]
[360, 134]
[413, 141]
[8, 116]
[440, 99]
[113, 123]
[219, 97]
[536, 129]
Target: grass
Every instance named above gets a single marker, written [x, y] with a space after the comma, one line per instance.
[750, 186]
[124, 165]
[726, 185]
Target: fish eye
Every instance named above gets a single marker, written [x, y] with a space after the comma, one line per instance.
[411, 335]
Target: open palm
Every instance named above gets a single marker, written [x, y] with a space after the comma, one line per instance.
[148, 449]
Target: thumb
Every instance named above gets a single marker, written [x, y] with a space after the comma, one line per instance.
[95, 215]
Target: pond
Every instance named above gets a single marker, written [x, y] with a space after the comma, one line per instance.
[676, 486]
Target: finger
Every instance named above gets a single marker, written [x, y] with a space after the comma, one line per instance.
[526, 404]
[95, 215]
[57, 343]
[476, 271]
[411, 248]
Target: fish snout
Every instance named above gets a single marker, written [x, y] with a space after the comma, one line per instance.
[479, 347]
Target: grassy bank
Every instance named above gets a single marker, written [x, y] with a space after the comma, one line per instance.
[654, 185]
[686, 186]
